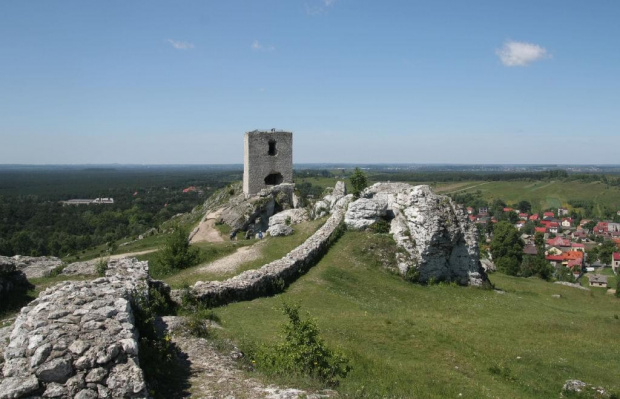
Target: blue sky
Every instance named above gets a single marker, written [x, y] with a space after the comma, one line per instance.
[356, 81]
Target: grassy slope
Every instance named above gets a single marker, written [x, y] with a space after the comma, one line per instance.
[272, 248]
[409, 341]
[542, 194]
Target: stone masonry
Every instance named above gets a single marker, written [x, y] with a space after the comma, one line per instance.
[272, 277]
[78, 339]
[268, 160]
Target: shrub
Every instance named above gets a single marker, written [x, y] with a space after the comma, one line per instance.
[101, 266]
[302, 352]
[158, 355]
[359, 181]
[176, 253]
[381, 226]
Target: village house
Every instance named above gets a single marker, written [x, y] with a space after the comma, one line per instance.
[578, 247]
[598, 280]
[615, 262]
[562, 212]
[523, 216]
[548, 215]
[534, 217]
[567, 222]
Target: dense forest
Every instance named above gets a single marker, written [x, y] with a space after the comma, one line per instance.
[33, 221]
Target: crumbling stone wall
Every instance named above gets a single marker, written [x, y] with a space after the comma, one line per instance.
[272, 277]
[268, 160]
[78, 339]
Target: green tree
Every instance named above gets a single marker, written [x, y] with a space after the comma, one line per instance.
[524, 206]
[359, 181]
[176, 253]
[507, 248]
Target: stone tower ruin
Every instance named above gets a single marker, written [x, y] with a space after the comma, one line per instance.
[268, 160]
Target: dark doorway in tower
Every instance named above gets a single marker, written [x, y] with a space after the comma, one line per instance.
[274, 179]
[272, 148]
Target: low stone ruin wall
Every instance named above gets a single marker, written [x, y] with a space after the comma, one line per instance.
[78, 339]
[272, 277]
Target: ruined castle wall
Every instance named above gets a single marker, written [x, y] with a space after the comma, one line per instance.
[274, 276]
[267, 156]
[78, 339]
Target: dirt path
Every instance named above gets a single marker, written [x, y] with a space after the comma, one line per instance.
[231, 262]
[213, 374]
[125, 255]
[206, 229]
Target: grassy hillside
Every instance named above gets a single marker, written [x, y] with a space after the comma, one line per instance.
[411, 341]
[541, 194]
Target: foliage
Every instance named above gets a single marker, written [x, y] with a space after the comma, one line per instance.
[507, 248]
[381, 226]
[176, 253]
[302, 352]
[35, 223]
[158, 356]
[359, 181]
[101, 266]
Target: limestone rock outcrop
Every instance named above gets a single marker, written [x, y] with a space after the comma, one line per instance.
[280, 223]
[78, 339]
[33, 267]
[441, 243]
[241, 212]
[335, 199]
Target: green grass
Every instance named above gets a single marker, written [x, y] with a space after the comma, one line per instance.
[272, 248]
[541, 194]
[412, 341]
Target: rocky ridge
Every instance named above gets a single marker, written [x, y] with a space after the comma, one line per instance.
[78, 339]
[440, 242]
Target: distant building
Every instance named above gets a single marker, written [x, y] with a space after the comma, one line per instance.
[88, 201]
[598, 280]
[562, 212]
[615, 261]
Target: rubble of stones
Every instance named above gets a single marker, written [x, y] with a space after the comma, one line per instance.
[13, 282]
[271, 277]
[78, 339]
[573, 388]
[440, 242]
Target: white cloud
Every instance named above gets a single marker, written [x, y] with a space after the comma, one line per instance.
[180, 45]
[257, 46]
[320, 8]
[521, 53]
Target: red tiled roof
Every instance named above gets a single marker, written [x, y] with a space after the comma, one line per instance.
[508, 209]
[616, 255]
[523, 215]
[534, 217]
[577, 245]
[549, 214]
[540, 229]
[574, 262]
[559, 241]
[557, 258]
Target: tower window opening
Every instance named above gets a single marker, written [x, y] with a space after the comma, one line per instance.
[272, 148]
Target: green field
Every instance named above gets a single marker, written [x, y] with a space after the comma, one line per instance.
[541, 194]
[411, 341]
